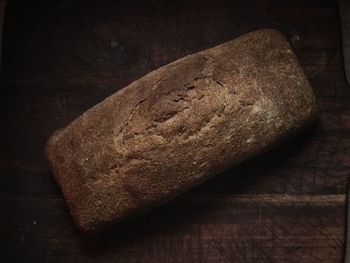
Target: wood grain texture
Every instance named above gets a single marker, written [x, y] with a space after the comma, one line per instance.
[62, 57]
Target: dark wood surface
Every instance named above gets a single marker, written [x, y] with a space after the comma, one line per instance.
[62, 57]
[344, 12]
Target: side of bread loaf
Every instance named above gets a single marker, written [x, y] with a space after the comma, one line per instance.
[179, 125]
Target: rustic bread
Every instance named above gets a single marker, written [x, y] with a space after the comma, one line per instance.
[179, 125]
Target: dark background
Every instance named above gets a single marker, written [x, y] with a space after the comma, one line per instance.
[62, 57]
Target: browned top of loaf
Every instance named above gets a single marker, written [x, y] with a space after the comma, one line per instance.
[179, 125]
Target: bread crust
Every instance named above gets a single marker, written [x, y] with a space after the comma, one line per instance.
[178, 126]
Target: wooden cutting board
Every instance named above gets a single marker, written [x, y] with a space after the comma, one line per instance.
[62, 57]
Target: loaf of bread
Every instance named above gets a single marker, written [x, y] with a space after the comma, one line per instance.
[178, 126]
